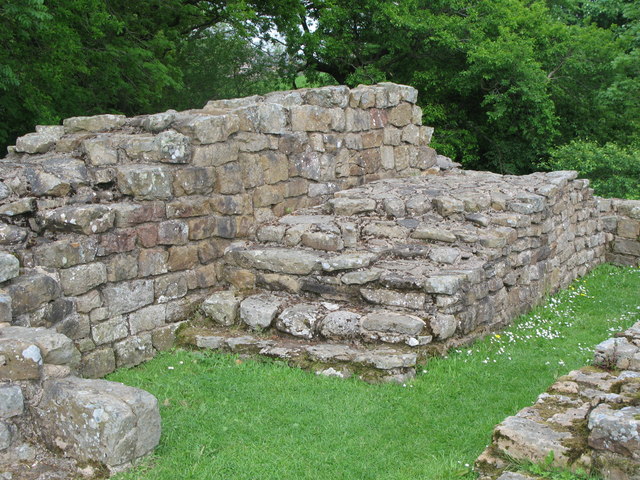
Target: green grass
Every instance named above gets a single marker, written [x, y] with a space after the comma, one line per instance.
[226, 418]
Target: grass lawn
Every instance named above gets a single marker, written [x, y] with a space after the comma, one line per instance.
[227, 418]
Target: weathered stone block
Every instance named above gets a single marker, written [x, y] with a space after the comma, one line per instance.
[414, 301]
[106, 422]
[110, 330]
[258, 311]
[216, 154]
[300, 320]
[65, 253]
[147, 318]
[171, 286]
[194, 181]
[277, 260]
[222, 308]
[98, 363]
[9, 267]
[19, 207]
[133, 351]
[121, 240]
[189, 207]
[11, 401]
[312, 118]
[182, 257]
[87, 219]
[209, 128]
[145, 182]
[351, 206]
[126, 297]
[11, 235]
[122, 267]
[28, 292]
[173, 232]
[82, 278]
[229, 179]
[152, 262]
[394, 323]
[443, 326]
[96, 123]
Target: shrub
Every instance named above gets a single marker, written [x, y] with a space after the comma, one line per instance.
[614, 170]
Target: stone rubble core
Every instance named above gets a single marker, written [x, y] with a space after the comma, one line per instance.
[282, 220]
[589, 418]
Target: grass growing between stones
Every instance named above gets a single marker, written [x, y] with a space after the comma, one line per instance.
[227, 418]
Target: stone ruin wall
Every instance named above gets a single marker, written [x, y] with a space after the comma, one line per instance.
[113, 231]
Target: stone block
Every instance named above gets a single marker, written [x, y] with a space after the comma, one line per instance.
[96, 123]
[229, 179]
[147, 318]
[5, 438]
[173, 232]
[189, 207]
[215, 154]
[171, 286]
[11, 235]
[100, 151]
[6, 312]
[401, 115]
[19, 207]
[208, 129]
[109, 331]
[122, 267]
[222, 308]
[312, 118]
[65, 253]
[132, 214]
[626, 246]
[413, 301]
[121, 240]
[352, 206]
[258, 311]
[75, 326]
[443, 326]
[173, 147]
[147, 235]
[394, 323]
[278, 260]
[30, 291]
[152, 261]
[87, 219]
[628, 228]
[9, 267]
[105, 422]
[339, 325]
[164, 338]
[98, 363]
[299, 320]
[82, 278]
[182, 257]
[54, 348]
[21, 359]
[126, 297]
[41, 141]
[145, 182]
[194, 181]
[133, 351]
[11, 401]
[357, 120]
[205, 276]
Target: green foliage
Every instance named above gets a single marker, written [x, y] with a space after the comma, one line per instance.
[614, 171]
[226, 417]
[546, 470]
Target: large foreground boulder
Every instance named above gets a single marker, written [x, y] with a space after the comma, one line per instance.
[98, 421]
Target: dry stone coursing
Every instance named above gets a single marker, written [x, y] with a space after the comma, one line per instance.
[113, 230]
[589, 418]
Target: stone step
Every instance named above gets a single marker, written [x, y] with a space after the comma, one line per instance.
[372, 364]
[315, 320]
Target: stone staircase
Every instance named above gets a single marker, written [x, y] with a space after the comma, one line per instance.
[386, 274]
